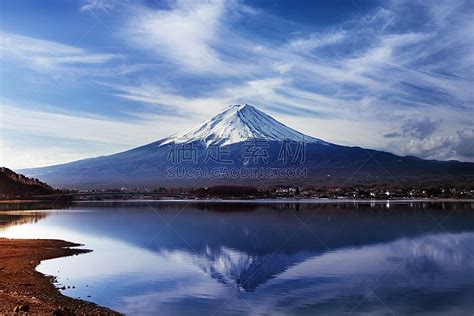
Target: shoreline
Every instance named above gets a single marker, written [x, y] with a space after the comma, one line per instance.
[280, 201]
[24, 289]
[269, 200]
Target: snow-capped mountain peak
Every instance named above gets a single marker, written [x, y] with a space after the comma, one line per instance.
[239, 123]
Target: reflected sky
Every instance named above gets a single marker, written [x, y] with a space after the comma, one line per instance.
[258, 259]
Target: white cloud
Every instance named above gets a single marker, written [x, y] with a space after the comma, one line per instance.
[456, 146]
[196, 36]
[39, 54]
[80, 135]
[317, 40]
[195, 107]
[385, 51]
[97, 5]
[184, 34]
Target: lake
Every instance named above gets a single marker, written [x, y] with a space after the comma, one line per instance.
[261, 258]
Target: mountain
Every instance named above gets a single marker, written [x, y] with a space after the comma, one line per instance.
[239, 123]
[16, 185]
[243, 145]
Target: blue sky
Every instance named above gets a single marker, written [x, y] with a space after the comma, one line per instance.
[88, 78]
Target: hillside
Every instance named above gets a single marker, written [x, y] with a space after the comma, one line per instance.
[13, 185]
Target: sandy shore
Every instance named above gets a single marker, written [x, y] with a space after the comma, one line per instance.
[24, 288]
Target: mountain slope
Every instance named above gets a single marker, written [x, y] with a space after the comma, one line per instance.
[242, 138]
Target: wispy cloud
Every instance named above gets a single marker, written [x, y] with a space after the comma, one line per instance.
[317, 40]
[416, 128]
[78, 133]
[375, 59]
[42, 55]
[187, 34]
[97, 5]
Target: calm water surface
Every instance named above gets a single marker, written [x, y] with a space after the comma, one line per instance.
[263, 259]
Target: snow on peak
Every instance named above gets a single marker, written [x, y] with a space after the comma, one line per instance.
[239, 123]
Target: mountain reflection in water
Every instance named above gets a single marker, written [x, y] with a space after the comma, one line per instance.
[260, 258]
